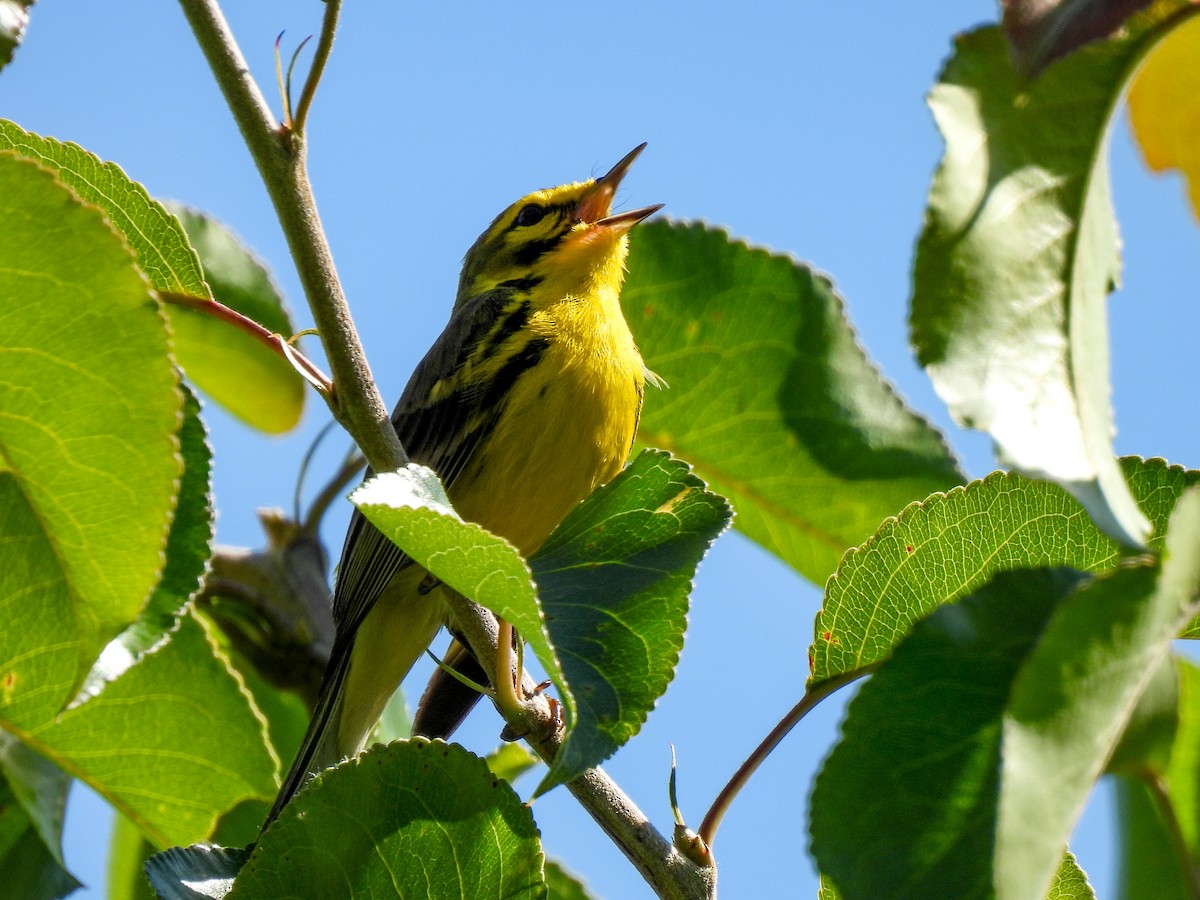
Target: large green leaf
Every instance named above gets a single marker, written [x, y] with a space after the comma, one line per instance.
[941, 549]
[1023, 691]
[1018, 254]
[411, 508]
[189, 543]
[89, 410]
[899, 811]
[444, 827]
[173, 743]
[1071, 883]
[1075, 693]
[229, 359]
[770, 396]
[620, 566]
[221, 360]
[614, 580]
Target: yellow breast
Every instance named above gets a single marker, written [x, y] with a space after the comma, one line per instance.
[567, 426]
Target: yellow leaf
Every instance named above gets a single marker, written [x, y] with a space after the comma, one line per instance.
[1164, 106]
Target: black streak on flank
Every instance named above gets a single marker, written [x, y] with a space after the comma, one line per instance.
[522, 285]
[506, 328]
[520, 362]
[531, 252]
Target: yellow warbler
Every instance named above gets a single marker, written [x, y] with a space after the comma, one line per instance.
[527, 402]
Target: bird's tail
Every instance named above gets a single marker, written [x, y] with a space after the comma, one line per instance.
[365, 668]
[319, 748]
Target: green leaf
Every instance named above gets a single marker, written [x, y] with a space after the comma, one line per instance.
[562, 885]
[511, 761]
[189, 546]
[899, 811]
[208, 350]
[1075, 694]
[41, 789]
[614, 580]
[1159, 802]
[89, 411]
[189, 873]
[1182, 776]
[620, 566]
[941, 549]
[1026, 672]
[1149, 869]
[1018, 254]
[229, 358]
[14, 19]
[173, 743]
[127, 855]
[1157, 485]
[424, 815]
[32, 870]
[33, 798]
[1149, 735]
[1070, 882]
[410, 507]
[770, 395]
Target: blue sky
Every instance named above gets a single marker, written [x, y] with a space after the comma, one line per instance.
[801, 127]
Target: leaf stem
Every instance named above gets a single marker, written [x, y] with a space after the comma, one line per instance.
[218, 310]
[720, 806]
[280, 156]
[509, 703]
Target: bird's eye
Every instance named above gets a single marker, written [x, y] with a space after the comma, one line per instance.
[529, 215]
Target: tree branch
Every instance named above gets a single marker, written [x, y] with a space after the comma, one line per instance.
[279, 154]
[666, 870]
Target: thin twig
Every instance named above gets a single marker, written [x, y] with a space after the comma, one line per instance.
[279, 155]
[332, 490]
[324, 45]
[712, 819]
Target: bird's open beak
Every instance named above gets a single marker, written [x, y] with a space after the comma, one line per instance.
[594, 206]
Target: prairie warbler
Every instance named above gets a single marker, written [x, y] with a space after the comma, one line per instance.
[527, 401]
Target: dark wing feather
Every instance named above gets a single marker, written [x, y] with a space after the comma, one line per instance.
[441, 434]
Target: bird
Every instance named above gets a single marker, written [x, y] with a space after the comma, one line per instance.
[528, 400]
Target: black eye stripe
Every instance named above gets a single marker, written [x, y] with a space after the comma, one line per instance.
[529, 253]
